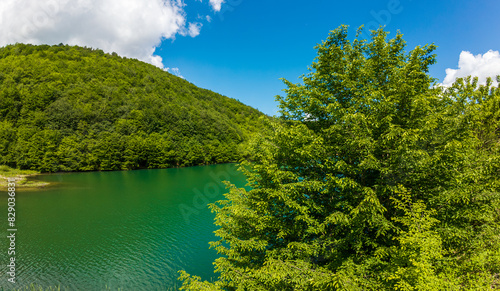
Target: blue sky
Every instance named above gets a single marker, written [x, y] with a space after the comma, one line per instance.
[248, 46]
[240, 48]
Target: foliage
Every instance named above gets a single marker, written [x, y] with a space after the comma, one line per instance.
[68, 108]
[7, 171]
[374, 179]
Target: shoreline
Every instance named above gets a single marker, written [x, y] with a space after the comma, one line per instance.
[22, 176]
[22, 181]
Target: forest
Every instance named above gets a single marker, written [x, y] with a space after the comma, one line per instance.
[69, 108]
[375, 177]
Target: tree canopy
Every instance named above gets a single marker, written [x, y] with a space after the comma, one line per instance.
[374, 178]
[68, 108]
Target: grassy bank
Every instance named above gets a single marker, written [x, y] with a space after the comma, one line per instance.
[21, 177]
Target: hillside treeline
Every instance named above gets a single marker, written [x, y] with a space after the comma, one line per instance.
[68, 108]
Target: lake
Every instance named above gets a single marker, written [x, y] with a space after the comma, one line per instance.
[130, 229]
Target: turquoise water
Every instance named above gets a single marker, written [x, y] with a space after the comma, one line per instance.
[131, 230]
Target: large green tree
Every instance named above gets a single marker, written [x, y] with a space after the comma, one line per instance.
[374, 179]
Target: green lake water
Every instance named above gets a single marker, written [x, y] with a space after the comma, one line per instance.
[131, 230]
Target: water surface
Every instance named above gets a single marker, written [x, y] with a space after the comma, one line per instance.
[131, 230]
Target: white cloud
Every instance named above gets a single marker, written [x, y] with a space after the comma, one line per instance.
[194, 29]
[216, 4]
[131, 28]
[481, 66]
[209, 19]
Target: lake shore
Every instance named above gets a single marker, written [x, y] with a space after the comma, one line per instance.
[23, 181]
[21, 177]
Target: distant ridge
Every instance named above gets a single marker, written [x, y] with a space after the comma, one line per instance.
[69, 108]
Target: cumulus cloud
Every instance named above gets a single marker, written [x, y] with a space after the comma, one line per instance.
[216, 4]
[481, 66]
[132, 28]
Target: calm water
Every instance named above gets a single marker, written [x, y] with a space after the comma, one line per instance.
[131, 230]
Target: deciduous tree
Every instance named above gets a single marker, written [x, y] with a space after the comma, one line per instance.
[374, 179]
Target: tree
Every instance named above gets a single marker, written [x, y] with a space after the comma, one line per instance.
[373, 179]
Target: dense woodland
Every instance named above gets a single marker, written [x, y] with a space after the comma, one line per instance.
[68, 108]
[374, 178]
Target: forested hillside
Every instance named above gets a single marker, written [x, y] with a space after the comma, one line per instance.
[68, 108]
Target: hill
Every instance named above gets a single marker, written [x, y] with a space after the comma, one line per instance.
[69, 108]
